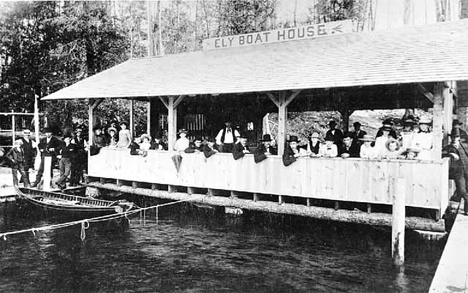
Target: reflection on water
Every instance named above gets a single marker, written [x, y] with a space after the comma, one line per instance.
[199, 250]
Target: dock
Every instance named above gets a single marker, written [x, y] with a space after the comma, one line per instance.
[452, 273]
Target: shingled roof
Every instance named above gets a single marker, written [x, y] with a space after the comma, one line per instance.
[429, 53]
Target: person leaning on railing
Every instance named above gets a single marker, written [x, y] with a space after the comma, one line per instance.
[210, 148]
[292, 151]
[240, 148]
[265, 149]
[195, 147]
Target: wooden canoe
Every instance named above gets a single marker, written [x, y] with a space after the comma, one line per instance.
[76, 205]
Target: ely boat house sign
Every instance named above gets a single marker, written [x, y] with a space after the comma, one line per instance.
[281, 35]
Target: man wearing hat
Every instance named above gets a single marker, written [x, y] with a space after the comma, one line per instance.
[422, 140]
[356, 135]
[292, 151]
[457, 151]
[210, 148]
[264, 149]
[227, 137]
[67, 153]
[80, 160]
[240, 148]
[48, 146]
[16, 157]
[456, 124]
[29, 150]
[335, 133]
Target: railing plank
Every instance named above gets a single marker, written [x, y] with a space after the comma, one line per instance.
[339, 179]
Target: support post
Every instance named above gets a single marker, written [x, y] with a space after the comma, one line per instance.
[131, 125]
[398, 221]
[13, 129]
[36, 118]
[448, 110]
[437, 128]
[148, 118]
[90, 123]
[46, 175]
[171, 123]
[282, 119]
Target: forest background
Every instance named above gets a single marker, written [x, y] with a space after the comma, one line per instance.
[48, 45]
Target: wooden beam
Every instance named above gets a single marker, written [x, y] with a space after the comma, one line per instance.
[274, 99]
[425, 92]
[438, 114]
[292, 97]
[178, 100]
[148, 117]
[165, 101]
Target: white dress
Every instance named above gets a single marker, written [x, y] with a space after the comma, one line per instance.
[423, 141]
[367, 152]
[181, 144]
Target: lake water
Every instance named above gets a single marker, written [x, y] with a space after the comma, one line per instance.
[193, 249]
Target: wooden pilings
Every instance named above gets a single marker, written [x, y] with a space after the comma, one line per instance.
[213, 198]
[398, 221]
[46, 174]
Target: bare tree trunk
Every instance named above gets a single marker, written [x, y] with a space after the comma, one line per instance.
[161, 48]
[295, 12]
[206, 19]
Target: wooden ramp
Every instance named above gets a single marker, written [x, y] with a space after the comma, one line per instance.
[452, 272]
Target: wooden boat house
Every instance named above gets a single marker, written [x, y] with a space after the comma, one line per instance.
[409, 67]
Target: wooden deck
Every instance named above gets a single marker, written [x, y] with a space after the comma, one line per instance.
[452, 272]
[351, 180]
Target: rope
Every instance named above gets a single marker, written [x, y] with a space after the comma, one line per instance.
[86, 222]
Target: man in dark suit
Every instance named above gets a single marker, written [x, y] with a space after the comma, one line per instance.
[240, 148]
[80, 159]
[356, 135]
[265, 149]
[346, 149]
[29, 151]
[457, 151]
[67, 155]
[335, 133]
[195, 147]
[48, 146]
[456, 124]
[16, 157]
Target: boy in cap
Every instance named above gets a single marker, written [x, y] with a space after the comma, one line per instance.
[16, 156]
[457, 151]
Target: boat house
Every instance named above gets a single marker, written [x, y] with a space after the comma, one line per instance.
[409, 67]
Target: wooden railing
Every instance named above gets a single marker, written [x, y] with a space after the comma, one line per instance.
[354, 180]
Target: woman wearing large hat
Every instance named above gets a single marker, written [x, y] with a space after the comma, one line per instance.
[367, 151]
[423, 139]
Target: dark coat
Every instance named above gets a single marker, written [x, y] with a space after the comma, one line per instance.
[208, 152]
[288, 156]
[259, 154]
[392, 133]
[29, 152]
[337, 137]
[238, 151]
[457, 167]
[192, 149]
[134, 147]
[155, 145]
[16, 158]
[315, 149]
[344, 150]
[356, 144]
[68, 151]
[51, 148]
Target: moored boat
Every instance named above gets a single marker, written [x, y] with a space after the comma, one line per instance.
[72, 204]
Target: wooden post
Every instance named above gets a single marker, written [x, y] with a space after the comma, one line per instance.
[448, 110]
[190, 190]
[437, 130]
[398, 221]
[282, 119]
[171, 123]
[13, 130]
[255, 196]
[46, 174]
[131, 125]
[148, 118]
[36, 118]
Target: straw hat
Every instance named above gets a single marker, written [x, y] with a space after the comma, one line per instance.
[392, 140]
[111, 129]
[143, 136]
[367, 137]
